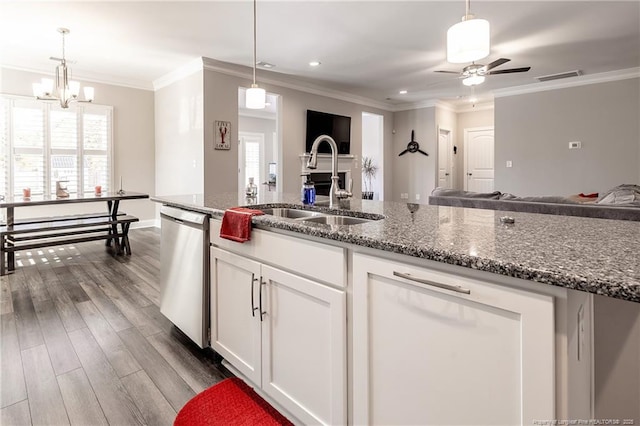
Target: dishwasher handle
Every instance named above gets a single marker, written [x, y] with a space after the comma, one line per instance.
[182, 216]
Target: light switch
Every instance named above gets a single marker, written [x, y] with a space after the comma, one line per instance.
[575, 145]
[509, 163]
[417, 197]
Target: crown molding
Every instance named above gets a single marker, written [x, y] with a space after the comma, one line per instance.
[482, 106]
[140, 85]
[272, 78]
[178, 74]
[581, 80]
[430, 103]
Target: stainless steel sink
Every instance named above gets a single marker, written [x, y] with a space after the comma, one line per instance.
[327, 218]
[336, 220]
[291, 213]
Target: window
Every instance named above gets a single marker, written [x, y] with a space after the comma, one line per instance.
[41, 143]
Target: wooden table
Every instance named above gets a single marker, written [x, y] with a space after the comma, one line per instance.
[45, 231]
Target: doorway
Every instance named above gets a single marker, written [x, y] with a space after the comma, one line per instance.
[445, 163]
[479, 159]
[372, 148]
[259, 154]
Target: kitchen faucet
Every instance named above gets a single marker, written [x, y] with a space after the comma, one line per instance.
[335, 193]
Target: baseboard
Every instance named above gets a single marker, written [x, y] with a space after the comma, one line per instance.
[149, 223]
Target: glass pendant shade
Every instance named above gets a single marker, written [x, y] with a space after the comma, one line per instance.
[46, 86]
[74, 88]
[88, 93]
[256, 97]
[473, 80]
[468, 41]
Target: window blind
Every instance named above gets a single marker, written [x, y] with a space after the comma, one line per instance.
[42, 143]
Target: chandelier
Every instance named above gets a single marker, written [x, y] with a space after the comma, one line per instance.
[469, 40]
[64, 90]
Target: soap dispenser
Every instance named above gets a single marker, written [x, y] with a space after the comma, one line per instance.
[308, 191]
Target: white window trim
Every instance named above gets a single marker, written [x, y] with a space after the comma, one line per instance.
[80, 152]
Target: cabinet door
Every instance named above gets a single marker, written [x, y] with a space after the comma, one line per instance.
[304, 347]
[235, 325]
[431, 356]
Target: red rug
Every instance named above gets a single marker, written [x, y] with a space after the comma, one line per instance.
[230, 402]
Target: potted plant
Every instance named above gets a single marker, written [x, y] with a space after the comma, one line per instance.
[368, 173]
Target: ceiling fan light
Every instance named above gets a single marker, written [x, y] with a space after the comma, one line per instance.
[256, 97]
[468, 41]
[473, 80]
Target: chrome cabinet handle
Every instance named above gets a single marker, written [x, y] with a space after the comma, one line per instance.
[455, 288]
[253, 305]
[260, 301]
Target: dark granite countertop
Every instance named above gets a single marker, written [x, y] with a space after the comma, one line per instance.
[599, 256]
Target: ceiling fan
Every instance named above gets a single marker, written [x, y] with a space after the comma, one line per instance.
[474, 74]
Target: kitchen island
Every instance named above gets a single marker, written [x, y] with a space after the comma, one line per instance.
[453, 315]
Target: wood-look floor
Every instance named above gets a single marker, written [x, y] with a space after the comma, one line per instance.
[83, 341]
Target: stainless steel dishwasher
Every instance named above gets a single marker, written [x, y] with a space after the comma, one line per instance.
[184, 271]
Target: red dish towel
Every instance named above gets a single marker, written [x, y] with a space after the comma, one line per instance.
[236, 224]
[592, 195]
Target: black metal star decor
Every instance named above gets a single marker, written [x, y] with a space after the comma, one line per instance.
[413, 146]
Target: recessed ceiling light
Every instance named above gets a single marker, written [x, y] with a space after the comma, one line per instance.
[403, 92]
[314, 63]
[264, 64]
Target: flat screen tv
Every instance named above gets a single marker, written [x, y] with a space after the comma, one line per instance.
[336, 126]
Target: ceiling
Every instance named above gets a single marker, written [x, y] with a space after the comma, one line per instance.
[371, 49]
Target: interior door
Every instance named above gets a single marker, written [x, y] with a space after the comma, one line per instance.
[444, 159]
[479, 159]
[251, 162]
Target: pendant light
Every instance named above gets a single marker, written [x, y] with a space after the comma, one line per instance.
[469, 40]
[65, 91]
[256, 97]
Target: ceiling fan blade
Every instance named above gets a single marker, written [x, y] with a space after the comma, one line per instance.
[449, 72]
[509, 71]
[496, 63]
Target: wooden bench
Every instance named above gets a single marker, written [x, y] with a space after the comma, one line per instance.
[35, 233]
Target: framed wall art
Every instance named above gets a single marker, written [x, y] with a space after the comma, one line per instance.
[222, 132]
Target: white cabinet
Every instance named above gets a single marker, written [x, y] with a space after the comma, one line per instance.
[433, 348]
[285, 333]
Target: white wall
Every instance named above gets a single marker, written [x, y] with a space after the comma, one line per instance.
[533, 130]
[180, 136]
[133, 139]
[414, 173]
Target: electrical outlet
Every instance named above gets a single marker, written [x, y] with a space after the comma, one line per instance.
[194, 164]
[404, 196]
[575, 145]
[509, 163]
[417, 197]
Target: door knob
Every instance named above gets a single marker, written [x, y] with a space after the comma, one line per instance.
[469, 174]
[446, 174]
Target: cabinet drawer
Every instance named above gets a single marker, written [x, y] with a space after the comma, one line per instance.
[320, 261]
